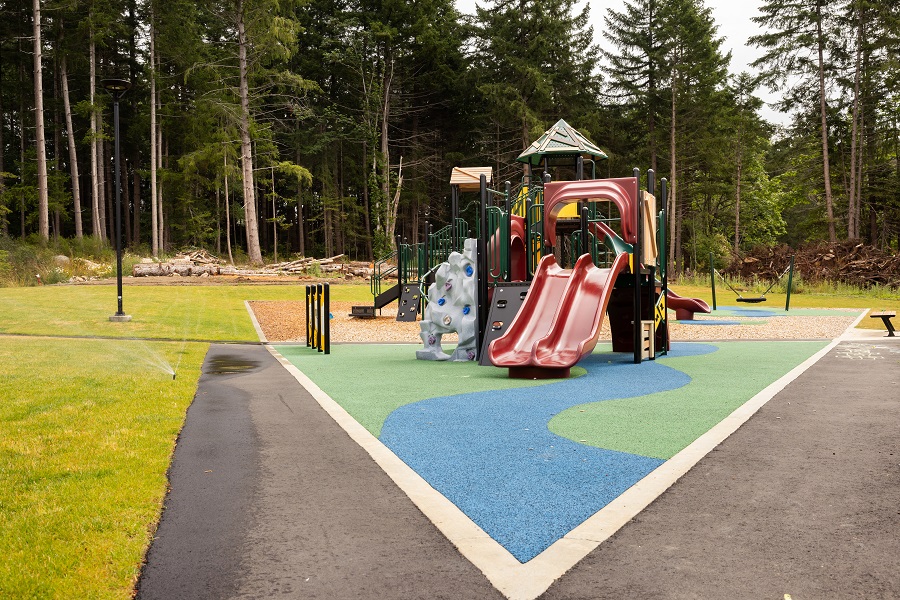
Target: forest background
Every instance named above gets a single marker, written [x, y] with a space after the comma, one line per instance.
[325, 127]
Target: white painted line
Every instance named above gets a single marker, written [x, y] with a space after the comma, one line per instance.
[259, 331]
[527, 581]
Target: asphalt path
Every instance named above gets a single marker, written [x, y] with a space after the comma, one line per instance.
[270, 498]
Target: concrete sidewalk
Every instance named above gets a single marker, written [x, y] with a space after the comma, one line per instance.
[271, 498]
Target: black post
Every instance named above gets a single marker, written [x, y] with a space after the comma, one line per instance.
[454, 214]
[426, 253]
[584, 230]
[482, 267]
[117, 87]
[318, 302]
[636, 268]
[787, 300]
[326, 315]
[579, 168]
[400, 266]
[547, 249]
[508, 188]
[663, 259]
[308, 318]
[712, 278]
[119, 312]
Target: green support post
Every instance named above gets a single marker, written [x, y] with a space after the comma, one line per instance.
[787, 301]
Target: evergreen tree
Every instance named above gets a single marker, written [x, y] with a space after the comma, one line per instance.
[798, 49]
[535, 64]
[636, 67]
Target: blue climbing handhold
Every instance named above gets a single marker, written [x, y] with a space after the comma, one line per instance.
[467, 309]
[442, 301]
[469, 270]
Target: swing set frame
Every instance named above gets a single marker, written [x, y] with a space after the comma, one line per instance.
[789, 271]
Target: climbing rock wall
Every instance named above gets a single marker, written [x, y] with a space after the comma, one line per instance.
[451, 307]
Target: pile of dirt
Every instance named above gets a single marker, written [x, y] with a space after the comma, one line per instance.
[846, 262]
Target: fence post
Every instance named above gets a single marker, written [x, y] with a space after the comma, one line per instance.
[308, 317]
[787, 301]
[326, 316]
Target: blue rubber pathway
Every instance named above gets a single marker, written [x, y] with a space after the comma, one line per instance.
[535, 486]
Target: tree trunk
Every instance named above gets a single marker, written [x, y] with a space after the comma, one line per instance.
[57, 143]
[253, 250]
[673, 185]
[160, 214]
[395, 201]
[154, 209]
[22, 88]
[126, 213]
[4, 225]
[22, 130]
[737, 208]
[40, 142]
[385, 149]
[370, 255]
[101, 177]
[823, 108]
[227, 213]
[136, 198]
[853, 211]
[73, 156]
[96, 231]
[737, 191]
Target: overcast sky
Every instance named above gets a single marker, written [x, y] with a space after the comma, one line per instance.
[733, 18]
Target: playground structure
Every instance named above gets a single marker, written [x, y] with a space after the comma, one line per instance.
[685, 307]
[789, 271]
[550, 259]
[451, 307]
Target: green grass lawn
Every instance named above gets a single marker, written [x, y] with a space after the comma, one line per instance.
[175, 312]
[87, 429]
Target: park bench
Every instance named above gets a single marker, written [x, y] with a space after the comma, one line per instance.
[885, 315]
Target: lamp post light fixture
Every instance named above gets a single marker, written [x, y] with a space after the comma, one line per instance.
[117, 89]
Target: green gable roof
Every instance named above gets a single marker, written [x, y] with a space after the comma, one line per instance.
[561, 140]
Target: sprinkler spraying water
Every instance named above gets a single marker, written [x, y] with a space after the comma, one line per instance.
[173, 376]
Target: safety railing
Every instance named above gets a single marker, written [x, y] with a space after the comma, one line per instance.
[534, 245]
[381, 270]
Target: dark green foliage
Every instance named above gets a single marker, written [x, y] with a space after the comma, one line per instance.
[347, 89]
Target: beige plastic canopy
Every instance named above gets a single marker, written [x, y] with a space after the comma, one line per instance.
[468, 178]
[561, 141]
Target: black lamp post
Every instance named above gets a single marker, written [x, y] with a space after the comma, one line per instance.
[117, 89]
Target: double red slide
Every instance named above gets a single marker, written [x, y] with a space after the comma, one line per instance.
[560, 320]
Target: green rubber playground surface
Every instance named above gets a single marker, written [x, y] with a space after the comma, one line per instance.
[662, 424]
[371, 381]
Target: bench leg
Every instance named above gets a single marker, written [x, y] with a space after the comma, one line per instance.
[889, 325]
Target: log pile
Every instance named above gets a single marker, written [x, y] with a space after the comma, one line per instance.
[200, 263]
[847, 262]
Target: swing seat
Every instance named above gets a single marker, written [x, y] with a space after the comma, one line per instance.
[752, 300]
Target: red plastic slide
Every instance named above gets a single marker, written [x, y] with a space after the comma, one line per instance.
[685, 307]
[559, 321]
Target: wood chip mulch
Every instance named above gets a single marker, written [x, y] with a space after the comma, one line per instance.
[285, 321]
